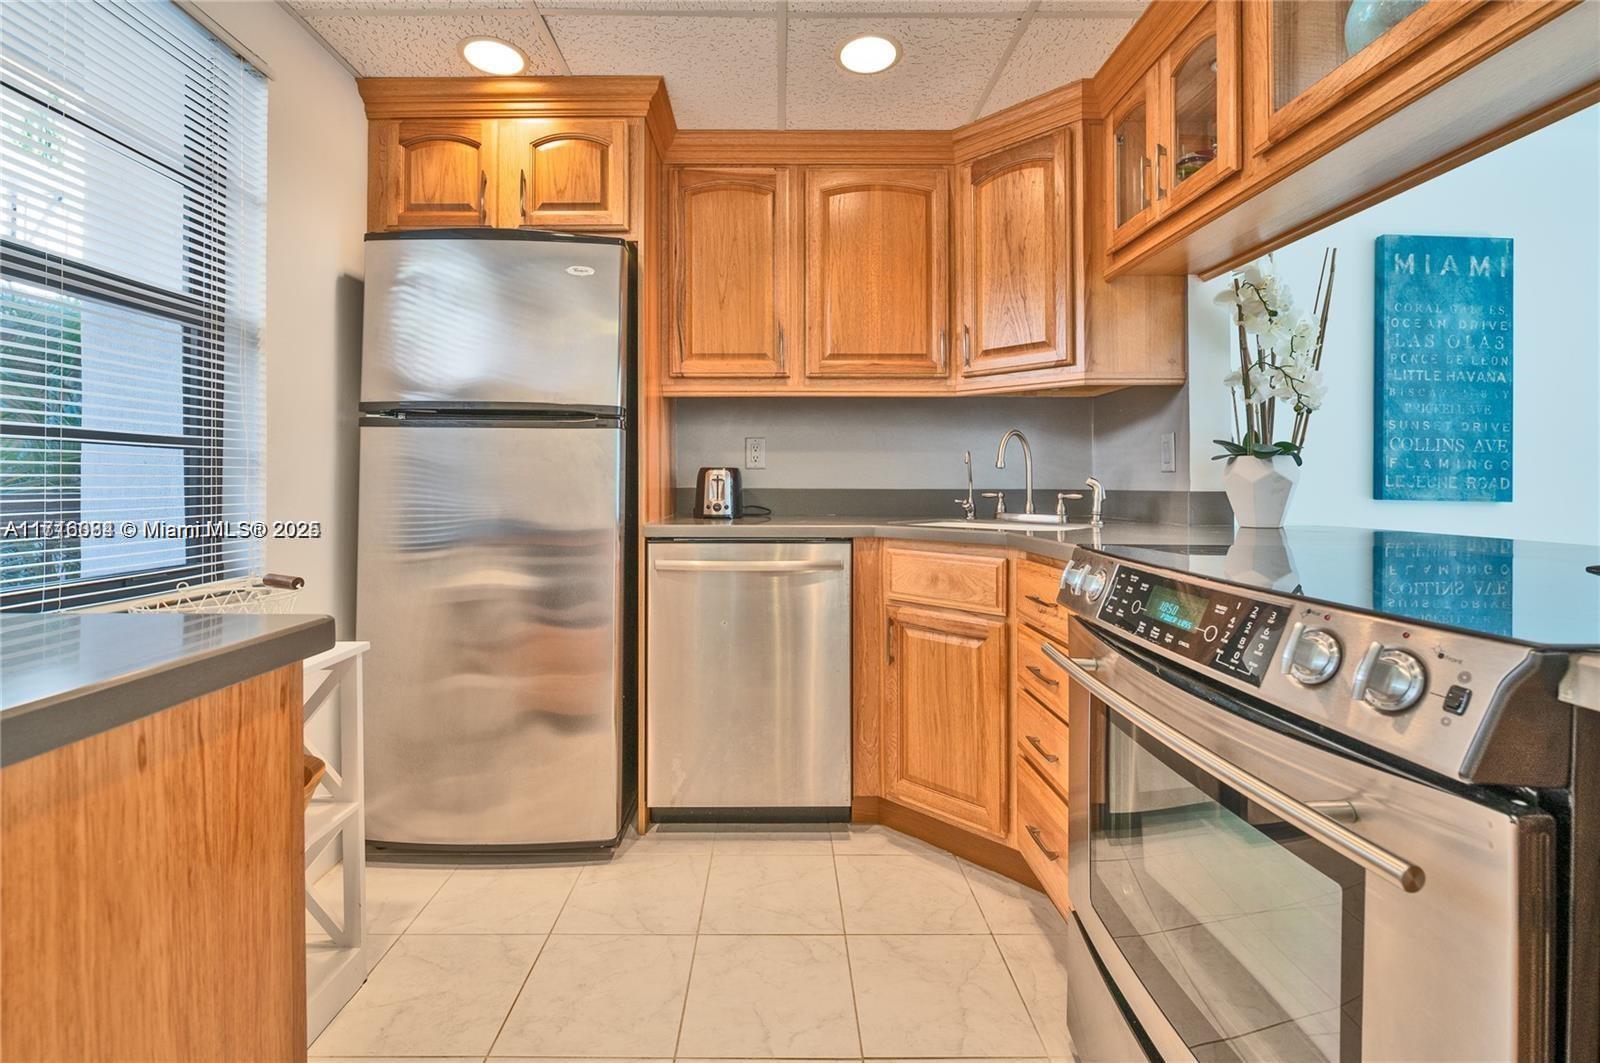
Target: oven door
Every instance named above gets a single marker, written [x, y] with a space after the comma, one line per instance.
[1253, 892]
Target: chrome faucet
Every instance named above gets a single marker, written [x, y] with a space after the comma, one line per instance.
[1027, 464]
[967, 505]
[1095, 519]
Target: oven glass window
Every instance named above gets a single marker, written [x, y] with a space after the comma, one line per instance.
[1246, 931]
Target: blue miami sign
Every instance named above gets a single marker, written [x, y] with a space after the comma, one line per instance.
[1442, 359]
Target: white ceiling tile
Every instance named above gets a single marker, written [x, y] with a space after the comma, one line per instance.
[944, 67]
[1053, 52]
[722, 73]
[426, 45]
[1129, 9]
[868, 8]
[403, 7]
[652, 7]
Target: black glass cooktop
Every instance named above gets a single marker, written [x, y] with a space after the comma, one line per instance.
[1535, 592]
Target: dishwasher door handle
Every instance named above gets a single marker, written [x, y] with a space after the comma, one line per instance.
[771, 567]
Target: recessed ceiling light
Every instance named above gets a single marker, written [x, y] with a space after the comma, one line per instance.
[869, 53]
[493, 56]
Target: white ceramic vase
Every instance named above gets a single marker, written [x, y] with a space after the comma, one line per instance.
[1259, 489]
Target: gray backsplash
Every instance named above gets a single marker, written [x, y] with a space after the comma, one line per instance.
[1160, 507]
[902, 457]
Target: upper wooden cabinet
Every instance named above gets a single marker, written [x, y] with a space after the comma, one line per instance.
[1176, 132]
[430, 173]
[877, 272]
[1304, 58]
[564, 173]
[1231, 98]
[946, 746]
[1014, 259]
[734, 272]
[542, 173]
[1197, 138]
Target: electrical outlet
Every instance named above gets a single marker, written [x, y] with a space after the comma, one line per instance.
[755, 452]
[1169, 452]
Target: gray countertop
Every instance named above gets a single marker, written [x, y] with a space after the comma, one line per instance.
[1044, 541]
[67, 676]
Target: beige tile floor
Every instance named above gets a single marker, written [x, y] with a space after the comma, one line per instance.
[700, 944]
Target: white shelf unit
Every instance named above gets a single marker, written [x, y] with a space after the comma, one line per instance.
[336, 815]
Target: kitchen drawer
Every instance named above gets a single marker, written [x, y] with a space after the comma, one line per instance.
[973, 583]
[1042, 831]
[1036, 597]
[1042, 738]
[1038, 674]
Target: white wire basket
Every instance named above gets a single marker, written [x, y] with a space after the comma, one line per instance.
[248, 595]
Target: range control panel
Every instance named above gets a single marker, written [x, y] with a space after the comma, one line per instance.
[1229, 634]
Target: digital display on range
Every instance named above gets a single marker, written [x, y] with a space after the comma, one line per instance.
[1173, 607]
[1221, 631]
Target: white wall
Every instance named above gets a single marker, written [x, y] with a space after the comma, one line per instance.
[316, 214]
[1543, 191]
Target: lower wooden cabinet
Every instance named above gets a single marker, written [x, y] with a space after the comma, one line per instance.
[945, 708]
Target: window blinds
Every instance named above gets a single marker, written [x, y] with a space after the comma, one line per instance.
[132, 253]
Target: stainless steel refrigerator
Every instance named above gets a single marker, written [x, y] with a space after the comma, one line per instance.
[496, 547]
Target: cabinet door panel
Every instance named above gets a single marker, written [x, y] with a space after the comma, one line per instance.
[946, 750]
[565, 173]
[733, 272]
[877, 272]
[1016, 259]
[432, 173]
[1198, 143]
[1130, 153]
[1303, 64]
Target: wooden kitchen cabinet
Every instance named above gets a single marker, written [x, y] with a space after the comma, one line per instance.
[1130, 147]
[1301, 66]
[945, 735]
[564, 173]
[735, 272]
[1197, 137]
[430, 173]
[877, 272]
[1015, 259]
[1176, 132]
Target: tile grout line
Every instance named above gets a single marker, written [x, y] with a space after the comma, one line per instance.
[694, 949]
[994, 939]
[525, 978]
[850, 970]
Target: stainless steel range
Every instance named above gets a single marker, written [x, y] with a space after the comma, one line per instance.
[1302, 830]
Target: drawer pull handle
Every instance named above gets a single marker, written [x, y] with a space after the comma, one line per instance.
[1050, 758]
[1041, 603]
[1038, 839]
[1041, 677]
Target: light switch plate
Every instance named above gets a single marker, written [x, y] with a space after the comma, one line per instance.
[755, 452]
[1169, 452]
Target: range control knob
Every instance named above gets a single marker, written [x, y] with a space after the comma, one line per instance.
[1391, 680]
[1314, 657]
[1094, 584]
[1072, 578]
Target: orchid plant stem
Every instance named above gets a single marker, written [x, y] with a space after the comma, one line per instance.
[1250, 412]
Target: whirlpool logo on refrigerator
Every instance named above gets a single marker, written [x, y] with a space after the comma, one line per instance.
[581, 271]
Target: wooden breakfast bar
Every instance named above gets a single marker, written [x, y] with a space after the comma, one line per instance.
[151, 878]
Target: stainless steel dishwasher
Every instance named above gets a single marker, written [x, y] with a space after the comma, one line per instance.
[748, 680]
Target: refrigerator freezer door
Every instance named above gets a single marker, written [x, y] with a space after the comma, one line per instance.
[500, 318]
[490, 587]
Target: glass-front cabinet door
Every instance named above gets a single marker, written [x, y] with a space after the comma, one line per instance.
[1198, 142]
[1313, 55]
[1130, 152]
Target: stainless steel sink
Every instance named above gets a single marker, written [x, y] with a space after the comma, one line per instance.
[999, 525]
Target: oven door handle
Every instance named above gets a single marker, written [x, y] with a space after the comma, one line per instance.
[1402, 873]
